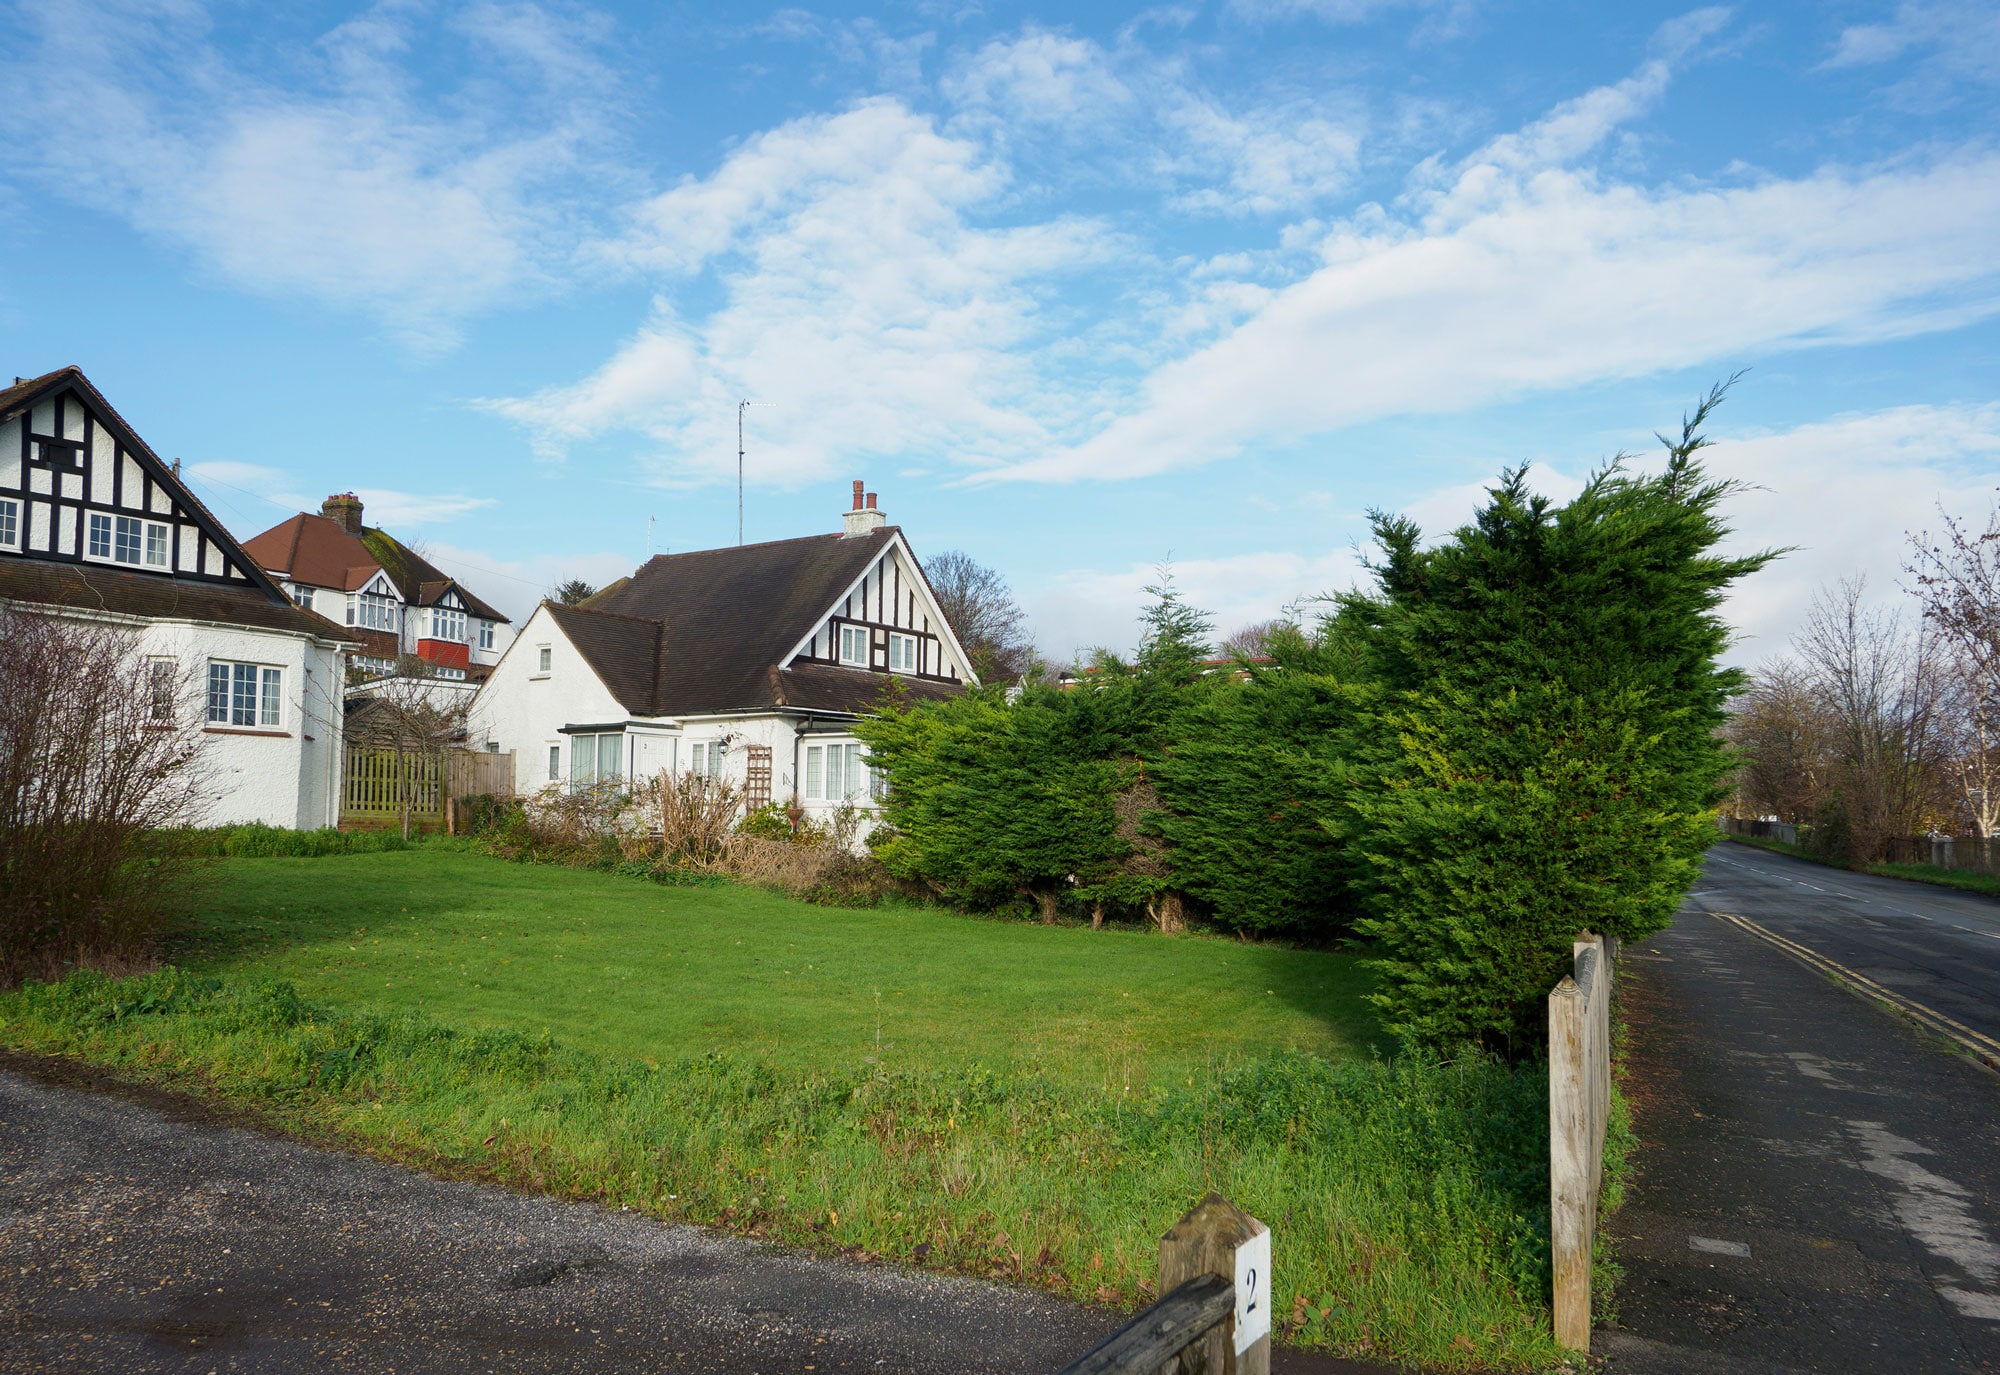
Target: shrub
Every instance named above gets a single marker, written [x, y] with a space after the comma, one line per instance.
[100, 762]
[258, 841]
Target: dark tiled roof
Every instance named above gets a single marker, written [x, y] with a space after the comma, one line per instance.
[829, 687]
[145, 594]
[420, 581]
[706, 631]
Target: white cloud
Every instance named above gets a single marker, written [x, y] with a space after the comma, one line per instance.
[1846, 492]
[338, 184]
[515, 586]
[1080, 609]
[858, 298]
[1519, 274]
[393, 511]
[1335, 11]
[1954, 37]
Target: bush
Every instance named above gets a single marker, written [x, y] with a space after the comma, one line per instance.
[100, 762]
[257, 841]
[1830, 838]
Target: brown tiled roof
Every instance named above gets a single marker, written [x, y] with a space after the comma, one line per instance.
[318, 551]
[706, 631]
[145, 594]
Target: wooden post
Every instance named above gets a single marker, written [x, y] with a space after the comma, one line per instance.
[1572, 1189]
[1204, 1243]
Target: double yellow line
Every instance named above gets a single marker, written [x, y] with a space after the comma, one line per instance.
[1977, 1044]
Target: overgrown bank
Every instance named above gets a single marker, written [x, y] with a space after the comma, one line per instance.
[1410, 1196]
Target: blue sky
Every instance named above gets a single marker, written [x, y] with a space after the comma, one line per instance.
[1077, 289]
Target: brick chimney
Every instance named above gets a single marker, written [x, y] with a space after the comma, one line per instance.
[345, 509]
[862, 518]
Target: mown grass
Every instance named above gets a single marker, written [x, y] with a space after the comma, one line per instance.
[605, 962]
[1020, 1102]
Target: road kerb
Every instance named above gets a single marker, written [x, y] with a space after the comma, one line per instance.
[1978, 1045]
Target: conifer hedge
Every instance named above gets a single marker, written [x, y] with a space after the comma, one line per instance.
[1509, 738]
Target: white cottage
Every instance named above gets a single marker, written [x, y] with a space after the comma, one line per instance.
[750, 663]
[94, 525]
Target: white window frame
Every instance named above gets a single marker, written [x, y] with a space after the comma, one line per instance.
[244, 696]
[11, 521]
[485, 634]
[854, 635]
[375, 611]
[121, 533]
[705, 758]
[555, 763]
[447, 623]
[595, 754]
[838, 771]
[545, 657]
[902, 652]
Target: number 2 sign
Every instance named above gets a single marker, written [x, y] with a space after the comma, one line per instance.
[1253, 1291]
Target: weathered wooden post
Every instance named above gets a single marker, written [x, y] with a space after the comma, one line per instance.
[1219, 1238]
[1573, 1164]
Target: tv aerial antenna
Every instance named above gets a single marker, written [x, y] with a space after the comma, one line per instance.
[741, 406]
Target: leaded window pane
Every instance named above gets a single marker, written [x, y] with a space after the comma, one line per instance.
[271, 711]
[100, 537]
[218, 693]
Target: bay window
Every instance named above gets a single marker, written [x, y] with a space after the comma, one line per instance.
[837, 773]
[595, 759]
[374, 611]
[447, 624]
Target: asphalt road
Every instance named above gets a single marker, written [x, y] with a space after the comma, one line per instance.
[1818, 1181]
[1936, 946]
[140, 1233]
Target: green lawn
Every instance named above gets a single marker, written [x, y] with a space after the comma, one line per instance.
[980, 1097]
[606, 962]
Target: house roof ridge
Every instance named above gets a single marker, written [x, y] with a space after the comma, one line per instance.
[764, 544]
[566, 607]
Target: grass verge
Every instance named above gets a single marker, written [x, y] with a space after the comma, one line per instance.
[991, 1099]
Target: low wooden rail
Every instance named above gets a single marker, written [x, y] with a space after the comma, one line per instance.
[1214, 1317]
[1579, 1109]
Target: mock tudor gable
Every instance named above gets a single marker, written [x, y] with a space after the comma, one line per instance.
[751, 661]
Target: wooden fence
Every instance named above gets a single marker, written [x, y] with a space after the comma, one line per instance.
[375, 780]
[1579, 1108]
[1214, 1312]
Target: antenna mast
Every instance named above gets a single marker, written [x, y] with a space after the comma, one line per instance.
[741, 406]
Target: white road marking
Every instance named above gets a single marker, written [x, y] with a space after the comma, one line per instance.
[1933, 1210]
[1739, 1249]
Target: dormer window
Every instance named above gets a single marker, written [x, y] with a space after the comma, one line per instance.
[486, 634]
[447, 624]
[854, 645]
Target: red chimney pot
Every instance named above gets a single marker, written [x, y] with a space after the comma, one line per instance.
[871, 501]
[857, 494]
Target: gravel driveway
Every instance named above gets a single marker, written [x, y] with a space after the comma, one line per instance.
[141, 1233]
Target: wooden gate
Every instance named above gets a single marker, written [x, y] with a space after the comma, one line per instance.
[376, 781]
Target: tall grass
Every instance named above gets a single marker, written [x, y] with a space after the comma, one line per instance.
[258, 841]
[1407, 1198]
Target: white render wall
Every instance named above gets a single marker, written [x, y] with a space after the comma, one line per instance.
[287, 776]
[523, 710]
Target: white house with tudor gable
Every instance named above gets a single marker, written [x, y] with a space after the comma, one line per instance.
[750, 663]
[94, 526]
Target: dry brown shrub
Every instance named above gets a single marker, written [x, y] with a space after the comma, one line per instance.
[100, 765]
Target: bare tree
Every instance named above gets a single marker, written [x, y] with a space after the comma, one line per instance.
[1254, 641]
[418, 719]
[100, 758]
[982, 612]
[1958, 581]
[1779, 729]
[1881, 688]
